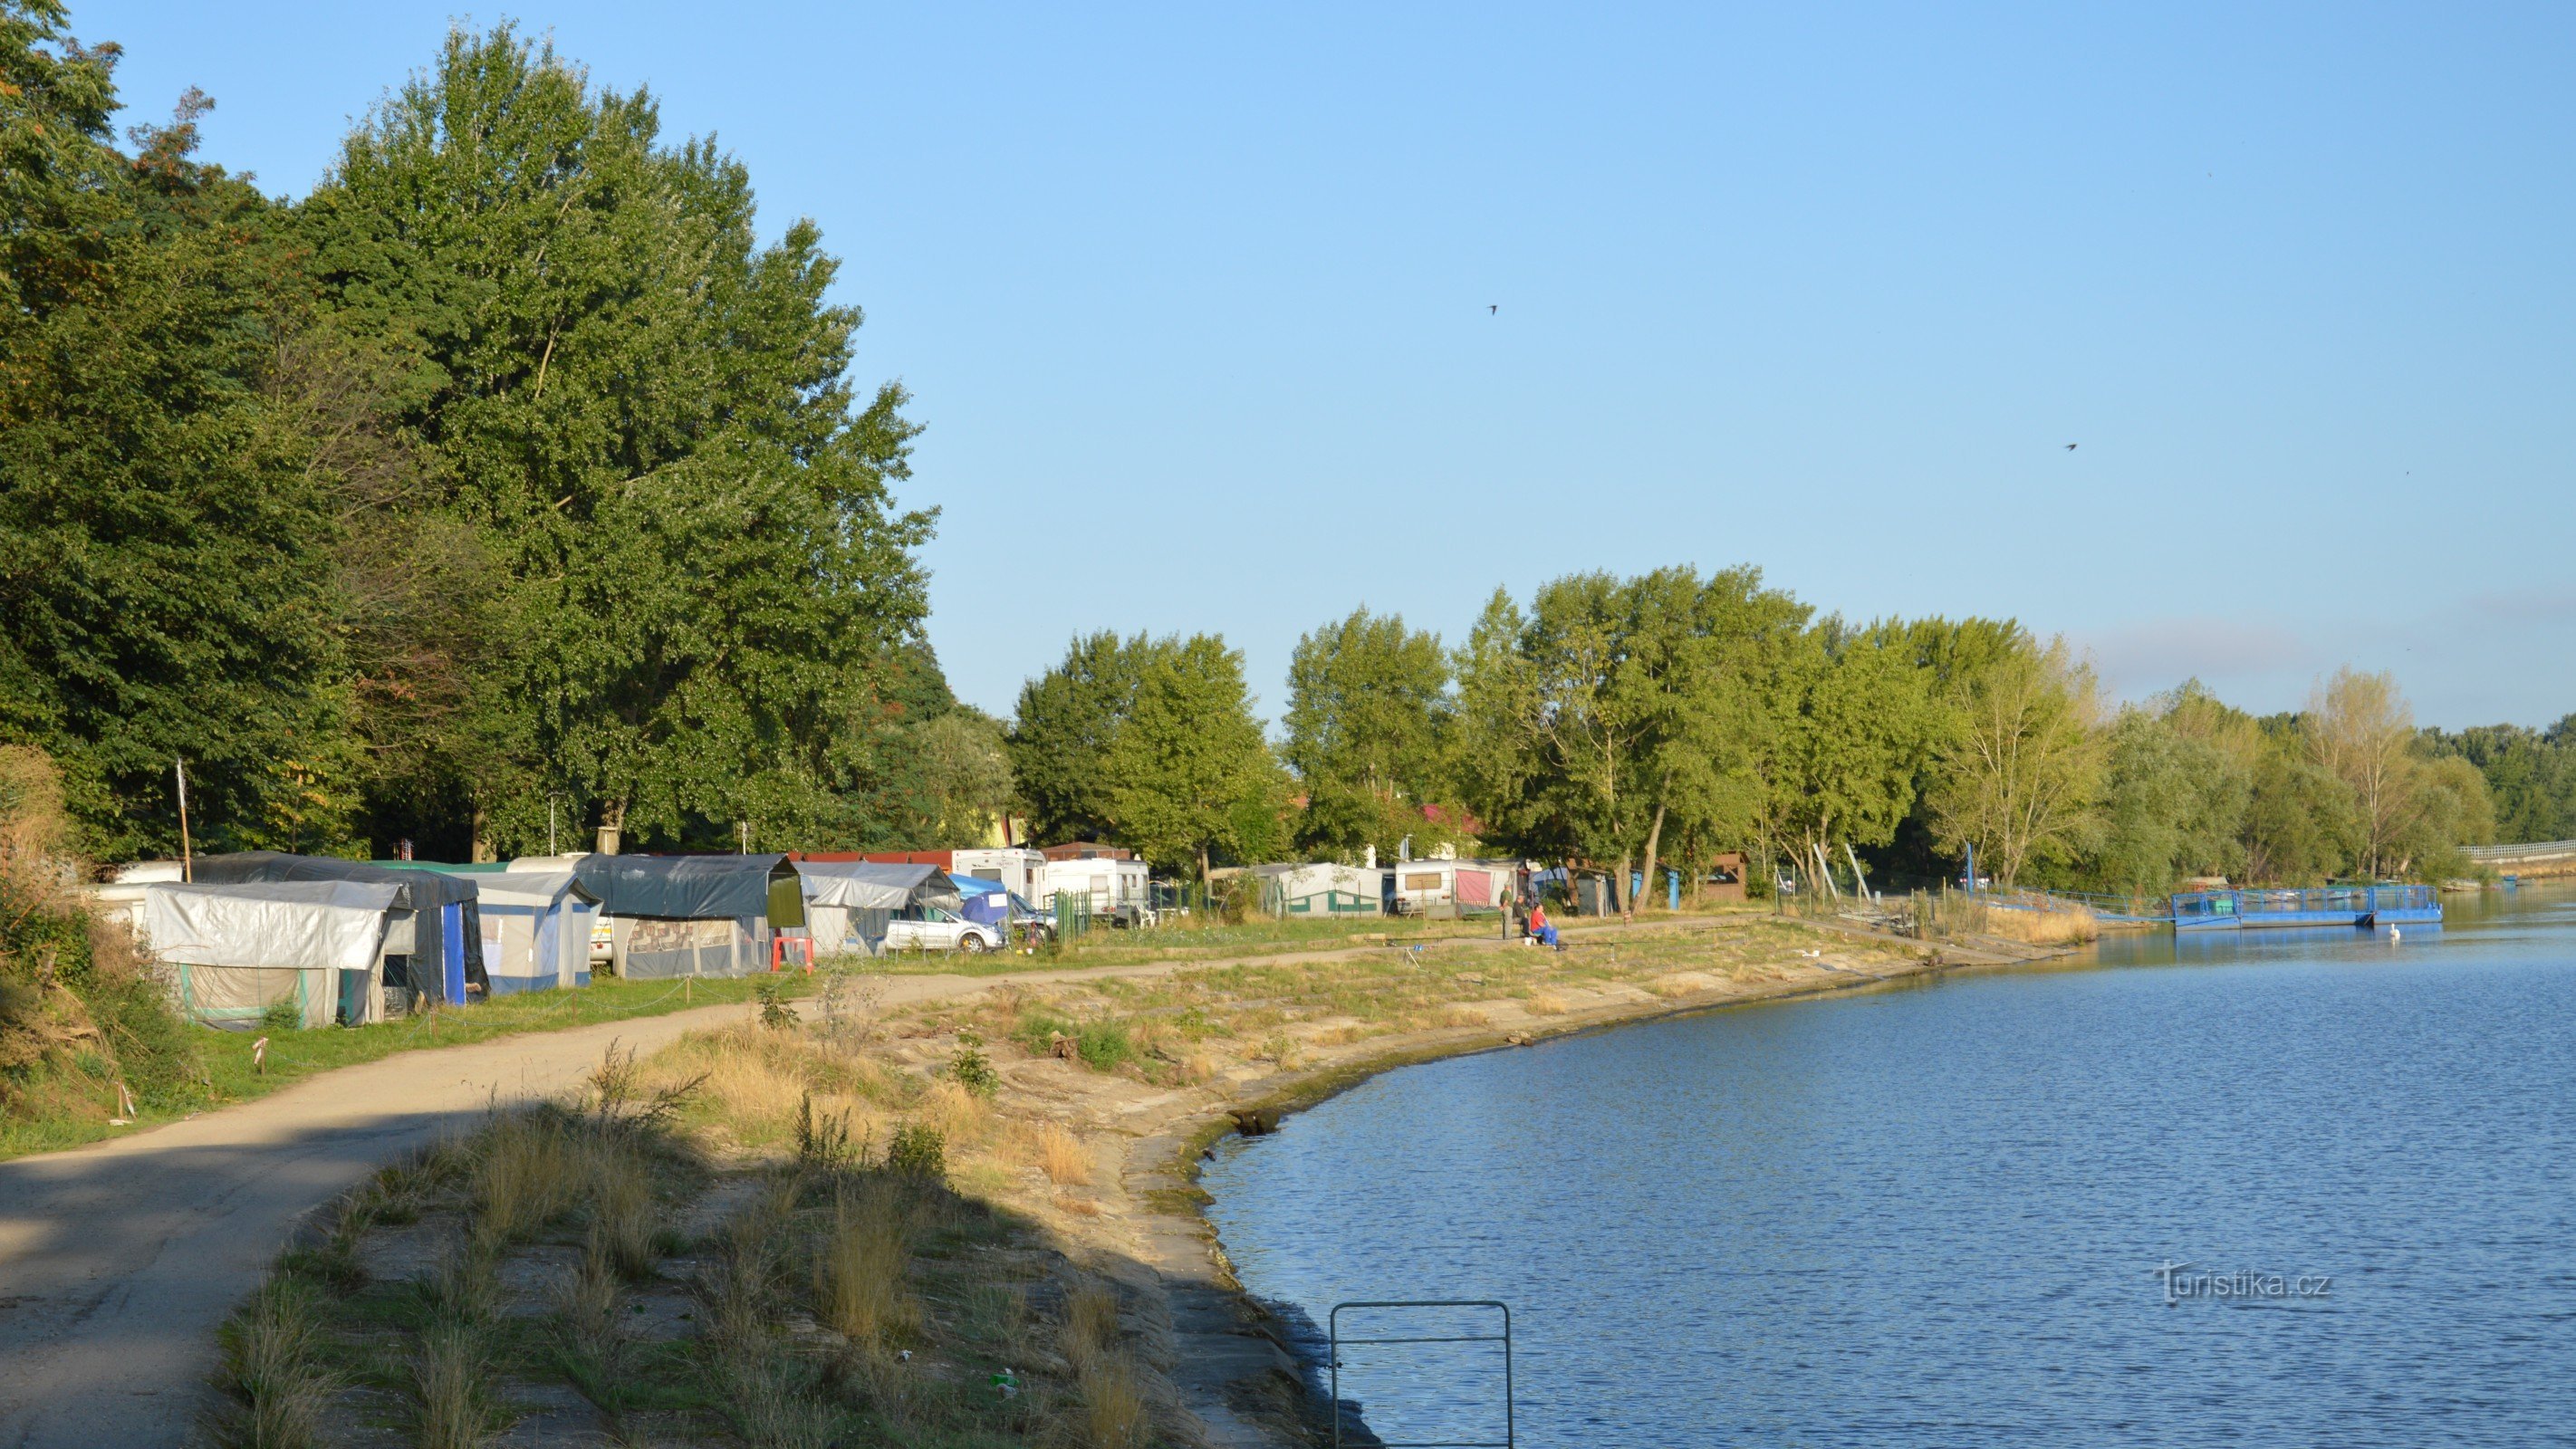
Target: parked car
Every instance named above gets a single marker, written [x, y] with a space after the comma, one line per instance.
[937, 930]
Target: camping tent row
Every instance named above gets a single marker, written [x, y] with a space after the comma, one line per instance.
[353, 941]
[1409, 887]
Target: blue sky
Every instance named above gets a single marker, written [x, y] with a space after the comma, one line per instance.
[1194, 302]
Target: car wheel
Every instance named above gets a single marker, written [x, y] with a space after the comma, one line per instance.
[971, 944]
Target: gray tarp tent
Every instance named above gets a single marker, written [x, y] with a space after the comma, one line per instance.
[693, 915]
[235, 951]
[536, 929]
[437, 919]
[848, 903]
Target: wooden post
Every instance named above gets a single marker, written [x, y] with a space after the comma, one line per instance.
[187, 854]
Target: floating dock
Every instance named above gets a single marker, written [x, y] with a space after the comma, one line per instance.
[2362, 906]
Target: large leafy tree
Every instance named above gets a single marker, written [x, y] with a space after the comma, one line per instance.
[2530, 775]
[1617, 712]
[2020, 775]
[1367, 727]
[696, 564]
[1848, 719]
[165, 534]
[1059, 741]
[1190, 776]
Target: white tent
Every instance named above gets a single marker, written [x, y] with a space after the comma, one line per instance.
[536, 928]
[238, 950]
[1322, 889]
[847, 903]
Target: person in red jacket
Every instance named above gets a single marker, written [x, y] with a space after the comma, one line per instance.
[1541, 929]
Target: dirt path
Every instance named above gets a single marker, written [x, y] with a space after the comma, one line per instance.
[119, 1260]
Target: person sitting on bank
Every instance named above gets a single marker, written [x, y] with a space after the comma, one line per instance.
[1541, 929]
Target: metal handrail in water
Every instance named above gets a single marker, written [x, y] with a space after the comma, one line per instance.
[1333, 1322]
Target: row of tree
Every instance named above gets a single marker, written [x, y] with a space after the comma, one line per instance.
[505, 485]
[1671, 717]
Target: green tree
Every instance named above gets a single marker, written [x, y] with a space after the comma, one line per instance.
[2018, 777]
[1060, 736]
[1367, 726]
[2301, 827]
[697, 565]
[165, 542]
[1616, 711]
[1190, 775]
[967, 776]
[2173, 804]
[2530, 775]
[1849, 720]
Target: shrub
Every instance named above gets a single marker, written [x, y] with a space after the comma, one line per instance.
[971, 1069]
[918, 1150]
[281, 1016]
[1037, 1031]
[1103, 1044]
[775, 1013]
[823, 1141]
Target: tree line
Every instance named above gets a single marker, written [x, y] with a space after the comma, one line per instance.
[507, 491]
[504, 487]
[1668, 718]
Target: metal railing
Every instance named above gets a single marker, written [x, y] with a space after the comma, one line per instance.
[1334, 1323]
[2543, 850]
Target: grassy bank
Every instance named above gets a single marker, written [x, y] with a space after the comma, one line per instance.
[1187, 941]
[218, 1068]
[859, 1221]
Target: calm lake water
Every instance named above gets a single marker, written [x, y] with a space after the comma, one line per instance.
[1937, 1215]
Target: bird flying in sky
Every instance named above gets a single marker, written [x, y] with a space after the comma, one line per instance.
[2070, 447]
[1493, 307]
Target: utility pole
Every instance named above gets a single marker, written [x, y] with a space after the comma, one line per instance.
[187, 853]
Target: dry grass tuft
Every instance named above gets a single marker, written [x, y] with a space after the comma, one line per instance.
[1113, 1407]
[1081, 1207]
[959, 1115]
[448, 1375]
[1464, 1016]
[624, 1218]
[1090, 1325]
[1198, 1067]
[1545, 1003]
[1679, 983]
[1066, 1160]
[859, 1287]
[526, 1176]
[273, 1373]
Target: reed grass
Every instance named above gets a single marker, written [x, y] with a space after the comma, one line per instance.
[273, 1375]
[859, 1289]
[526, 1176]
[449, 1374]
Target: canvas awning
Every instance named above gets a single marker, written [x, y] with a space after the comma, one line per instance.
[330, 925]
[444, 913]
[872, 885]
[684, 887]
[535, 889]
